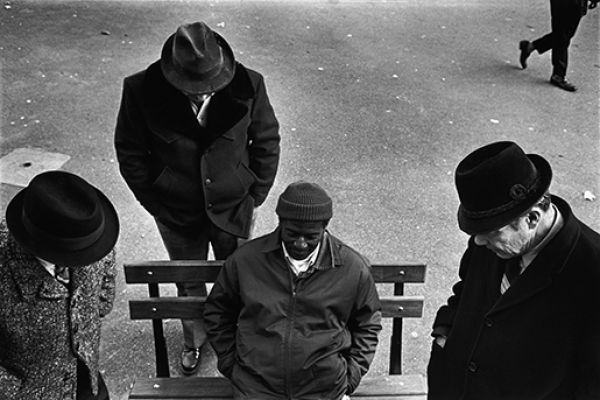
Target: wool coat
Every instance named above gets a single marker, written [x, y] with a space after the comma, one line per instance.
[183, 173]
[45, 327]
[539, 340]
[278, 335]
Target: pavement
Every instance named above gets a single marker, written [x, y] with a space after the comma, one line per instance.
[378, 101]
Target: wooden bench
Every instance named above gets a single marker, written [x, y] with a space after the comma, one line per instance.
[395, 386]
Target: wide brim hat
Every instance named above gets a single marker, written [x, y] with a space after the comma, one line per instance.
[496, 184]
[61, 218]
[197, 60]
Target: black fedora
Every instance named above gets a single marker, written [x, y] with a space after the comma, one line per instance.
[196, 59]
[61, 218]
[496, 183]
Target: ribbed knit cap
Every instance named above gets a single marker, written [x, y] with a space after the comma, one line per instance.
[304, 201]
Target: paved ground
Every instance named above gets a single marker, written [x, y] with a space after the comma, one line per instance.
[378, 101]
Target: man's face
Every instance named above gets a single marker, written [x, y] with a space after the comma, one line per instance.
[512, 240]
[301, 238]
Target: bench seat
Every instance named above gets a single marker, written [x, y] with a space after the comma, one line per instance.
[389, 387]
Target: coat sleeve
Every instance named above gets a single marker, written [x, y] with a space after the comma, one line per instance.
[445, 316]
[263, 134]
[221, 315]
[133, 151]
[107, 290]
[9, 384]
[364, 325]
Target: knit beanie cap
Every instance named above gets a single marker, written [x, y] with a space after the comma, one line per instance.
[304, 201]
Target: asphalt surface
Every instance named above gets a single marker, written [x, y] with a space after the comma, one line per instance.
[378, 101]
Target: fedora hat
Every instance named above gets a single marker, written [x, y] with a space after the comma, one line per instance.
[61, 218]
[496, 183]
[196, 59]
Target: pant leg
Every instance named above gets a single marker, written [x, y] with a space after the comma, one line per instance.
[84, 389]
[191, 245]
[223, 243]
[565, 20]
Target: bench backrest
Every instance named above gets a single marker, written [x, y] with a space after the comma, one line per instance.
[157, 308]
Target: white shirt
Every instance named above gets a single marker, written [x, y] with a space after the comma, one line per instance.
[201, 111]
[299, 266]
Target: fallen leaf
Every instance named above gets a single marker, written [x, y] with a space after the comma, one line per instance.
[589, 196]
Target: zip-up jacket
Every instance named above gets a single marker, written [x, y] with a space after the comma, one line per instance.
[279, 336]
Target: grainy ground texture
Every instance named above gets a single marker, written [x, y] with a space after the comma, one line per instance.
[378, 101]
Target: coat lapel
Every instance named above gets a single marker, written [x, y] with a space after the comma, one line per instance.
[169, 114]
[544, 269]
[32, 279]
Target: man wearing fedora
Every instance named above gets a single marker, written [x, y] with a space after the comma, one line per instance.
[57, 280]
[198, 144]
[295, 314]
[523, 321]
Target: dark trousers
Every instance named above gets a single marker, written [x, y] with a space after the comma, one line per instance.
[193, 245]
[565, 20]
[84, 387]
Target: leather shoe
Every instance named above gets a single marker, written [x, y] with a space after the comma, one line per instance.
[190, 360]
[562, 83]
[525, 47]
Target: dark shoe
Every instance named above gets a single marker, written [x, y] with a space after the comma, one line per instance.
[562, 83]
[526, 49]
[190, 360]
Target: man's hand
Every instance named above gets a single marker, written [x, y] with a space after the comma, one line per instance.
[441, 341]
[346, 397]
[593, 4]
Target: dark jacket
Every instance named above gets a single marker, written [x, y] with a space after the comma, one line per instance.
[278, 336]
[183, 173]
[539, 340]
[45, 328]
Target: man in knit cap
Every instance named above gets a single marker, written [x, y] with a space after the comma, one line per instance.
[295, 313]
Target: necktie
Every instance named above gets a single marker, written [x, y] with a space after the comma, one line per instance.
[62, 274]
[513, 269]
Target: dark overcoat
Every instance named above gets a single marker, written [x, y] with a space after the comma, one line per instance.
[45, 327]
[183, 173]
[539, 340]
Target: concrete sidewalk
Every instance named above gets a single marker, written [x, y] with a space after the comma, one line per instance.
[378, 101]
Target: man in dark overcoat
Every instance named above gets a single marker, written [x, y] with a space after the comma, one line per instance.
[523, 321]
[198, 144]
[57, 280]
[565, 15]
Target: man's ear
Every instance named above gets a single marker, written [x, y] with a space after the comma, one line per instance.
[533, 218]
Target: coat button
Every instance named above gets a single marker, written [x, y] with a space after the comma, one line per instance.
[209, 205]
[208, 181]
[489, 323]
[472, 366]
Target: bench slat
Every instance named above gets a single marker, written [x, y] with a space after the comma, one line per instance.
[394, 387]
[191, 307]
[195, 270]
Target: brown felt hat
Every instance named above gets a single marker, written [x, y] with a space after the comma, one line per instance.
[61, 218]
[197, 60]
[496, 183]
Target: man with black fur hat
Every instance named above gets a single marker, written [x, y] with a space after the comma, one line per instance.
[295, 314]
[57, 280]
[523, 321]
[198, 144]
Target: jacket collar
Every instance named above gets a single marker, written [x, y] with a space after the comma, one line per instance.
[169, 113]
[31, 278]
[547, 265]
